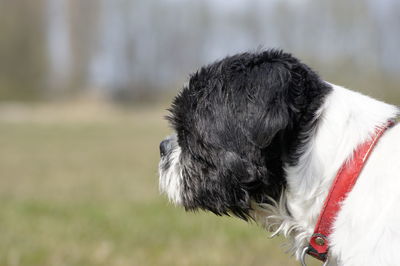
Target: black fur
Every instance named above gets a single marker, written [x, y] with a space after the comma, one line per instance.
[238, 122]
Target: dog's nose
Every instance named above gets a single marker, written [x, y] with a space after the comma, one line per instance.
[164, 147]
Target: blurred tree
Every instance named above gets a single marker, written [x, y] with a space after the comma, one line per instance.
[84, 34]
[23, 56]
[131, 49]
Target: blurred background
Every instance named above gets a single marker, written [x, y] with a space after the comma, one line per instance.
[84, 86]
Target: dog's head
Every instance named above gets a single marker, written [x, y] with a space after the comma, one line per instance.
[238, 123]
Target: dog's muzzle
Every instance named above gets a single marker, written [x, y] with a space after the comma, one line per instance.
[170, 169]
[165, 147]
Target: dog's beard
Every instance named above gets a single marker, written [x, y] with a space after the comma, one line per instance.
[170, 172]
[171, 183]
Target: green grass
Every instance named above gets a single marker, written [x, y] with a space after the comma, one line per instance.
[85, 192]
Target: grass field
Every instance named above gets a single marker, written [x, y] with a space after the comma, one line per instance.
[79, 186]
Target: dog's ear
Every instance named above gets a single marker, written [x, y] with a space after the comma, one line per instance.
[244, 181]
[246, 173]
[268, 102]
[226, 189]
[239, 180]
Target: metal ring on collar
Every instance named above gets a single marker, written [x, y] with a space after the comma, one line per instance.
[303, 258]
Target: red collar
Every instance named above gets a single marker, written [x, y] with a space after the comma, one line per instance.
[342, 185]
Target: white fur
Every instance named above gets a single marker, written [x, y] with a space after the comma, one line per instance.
[171, 179]
[367, 229]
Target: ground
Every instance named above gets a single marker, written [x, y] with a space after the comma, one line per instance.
[79, 186]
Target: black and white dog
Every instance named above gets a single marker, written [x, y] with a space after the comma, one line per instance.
[262, 136]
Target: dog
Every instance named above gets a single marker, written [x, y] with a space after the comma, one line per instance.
[261, 136]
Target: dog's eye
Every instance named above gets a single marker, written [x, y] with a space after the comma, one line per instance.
[181, 138]
[184, 143]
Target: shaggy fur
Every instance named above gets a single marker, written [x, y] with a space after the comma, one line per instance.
[261, 136]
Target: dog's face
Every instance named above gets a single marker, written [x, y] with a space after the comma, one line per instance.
[238, 123]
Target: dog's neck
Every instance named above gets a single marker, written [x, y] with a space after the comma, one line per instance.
[345, 120]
